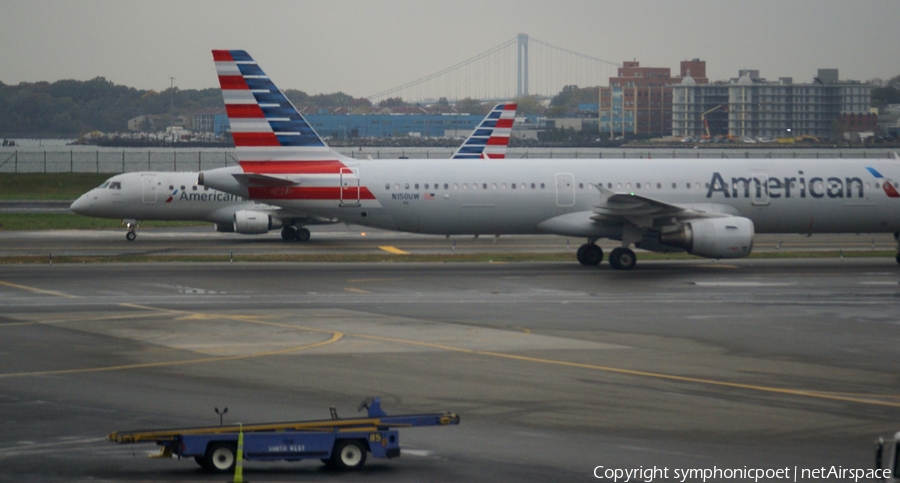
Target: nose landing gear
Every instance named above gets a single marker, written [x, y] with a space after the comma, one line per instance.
[132, 226]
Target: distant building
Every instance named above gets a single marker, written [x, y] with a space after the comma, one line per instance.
[205, 120]
[639, 100]
[757, 108]
[347, 126]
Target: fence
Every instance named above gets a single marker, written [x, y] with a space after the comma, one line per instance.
[129, 160]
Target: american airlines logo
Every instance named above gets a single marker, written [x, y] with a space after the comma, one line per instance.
[213, 196]
[760, 186]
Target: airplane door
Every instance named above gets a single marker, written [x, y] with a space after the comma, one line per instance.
[760, 190]
[349, 187]
[148, 181]
[565, 189]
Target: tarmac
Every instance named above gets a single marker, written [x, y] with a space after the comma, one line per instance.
[555, 369]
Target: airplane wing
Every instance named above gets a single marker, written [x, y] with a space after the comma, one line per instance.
[645, 212]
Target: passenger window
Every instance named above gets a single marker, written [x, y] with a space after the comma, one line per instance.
[406, 186]
[674, 185]
[206, 188]
[171, 187]
[532, 185]
[417, 185]
[474, 186]
[659, 186]
[465, 186]
[638, 186]
[503, 186]
[513, 186]
[387, 186]
[494, 186]
[455, 186]
[397, 186]
[426, 185]
[445, 186]
[581, 186]
[542, 185]
[182, 187]
[484, 186]
[687, 185]
[194, 188]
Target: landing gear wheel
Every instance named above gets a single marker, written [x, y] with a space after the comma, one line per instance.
[622, 259]
[348, 455]
[288, 233]
[302, 235]
[589, 255]
[220, 457]
[130, 236]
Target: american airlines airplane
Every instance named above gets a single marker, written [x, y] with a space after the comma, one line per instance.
[709, 208]
[175, 196]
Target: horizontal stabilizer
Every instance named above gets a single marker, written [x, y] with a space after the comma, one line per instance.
[262, 180]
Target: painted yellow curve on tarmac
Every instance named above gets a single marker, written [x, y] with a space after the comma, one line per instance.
[336, 336]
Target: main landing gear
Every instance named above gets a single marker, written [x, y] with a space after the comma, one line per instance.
[294, 233]
[590, 255]
[622, 259]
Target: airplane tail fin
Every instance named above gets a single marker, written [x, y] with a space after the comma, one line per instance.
[265, 126]
[491, 137]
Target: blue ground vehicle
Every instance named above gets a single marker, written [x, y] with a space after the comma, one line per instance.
[340, 443]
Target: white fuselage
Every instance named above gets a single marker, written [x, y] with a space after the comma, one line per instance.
[160, 196]
[520, 196]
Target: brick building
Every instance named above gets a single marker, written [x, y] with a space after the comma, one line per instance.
[638, 101]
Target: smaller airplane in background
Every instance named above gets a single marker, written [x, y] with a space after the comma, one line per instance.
[175, 196]
[172, 196]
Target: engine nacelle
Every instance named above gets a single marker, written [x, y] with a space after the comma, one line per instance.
[251, 222]
[729, 237]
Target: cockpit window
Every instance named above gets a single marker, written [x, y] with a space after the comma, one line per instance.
[104, 185]
[115, 185]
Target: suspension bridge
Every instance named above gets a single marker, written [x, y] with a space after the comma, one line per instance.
[521, 66]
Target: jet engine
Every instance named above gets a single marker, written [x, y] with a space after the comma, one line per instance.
[250, 222]
[729, 237]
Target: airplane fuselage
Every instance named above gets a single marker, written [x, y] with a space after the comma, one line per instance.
[523, 196]
[160, 196]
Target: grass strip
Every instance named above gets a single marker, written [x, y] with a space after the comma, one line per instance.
[48, 186]
[413, 258]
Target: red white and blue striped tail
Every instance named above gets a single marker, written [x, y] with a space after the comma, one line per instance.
[265, 125]
[491, 137]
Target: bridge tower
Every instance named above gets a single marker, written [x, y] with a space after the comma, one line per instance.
[522, 63]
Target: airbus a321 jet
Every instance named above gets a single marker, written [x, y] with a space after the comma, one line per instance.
[710, 208]
[175, 196]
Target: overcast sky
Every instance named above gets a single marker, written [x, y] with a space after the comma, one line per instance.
[365, 46]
